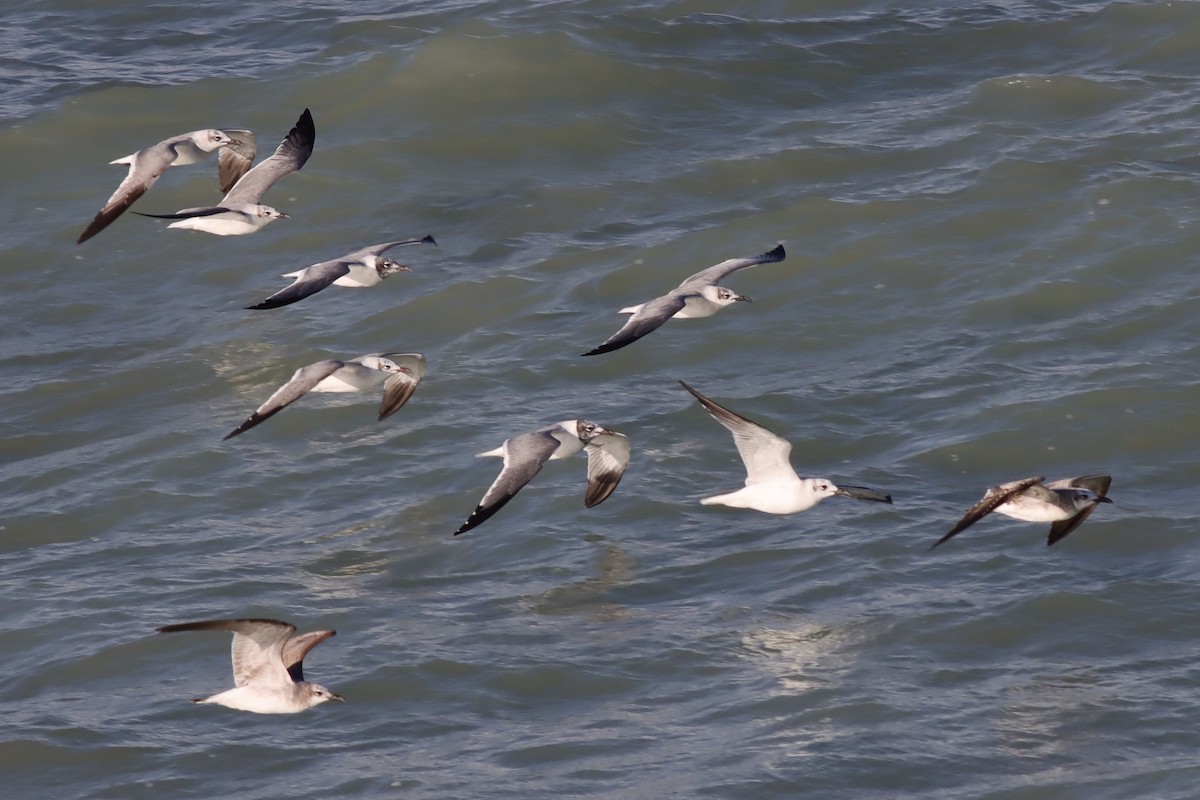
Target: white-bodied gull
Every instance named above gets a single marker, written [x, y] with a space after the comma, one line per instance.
[1064, 503]
[525, 454]
[236, 147]
[268, 666]
[241, 210]
[772, 485]
[698, 296]
[363, 267]
[397, 373]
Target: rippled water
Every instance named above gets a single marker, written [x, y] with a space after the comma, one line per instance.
[990, 218]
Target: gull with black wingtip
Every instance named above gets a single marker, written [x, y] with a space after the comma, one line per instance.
[525, 455]
[1064, 503]
[362, 268]
[698, 296]
[772, 486]
[268, 666]
[398, 374]
[235, 148]
[241, 210]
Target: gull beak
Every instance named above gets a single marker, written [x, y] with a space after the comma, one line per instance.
[741, 298]
[235, 142]
[863, 493]
[1102, 500]
[337, 697]
[284, 216]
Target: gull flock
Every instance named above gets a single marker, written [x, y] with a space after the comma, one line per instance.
[267, 654]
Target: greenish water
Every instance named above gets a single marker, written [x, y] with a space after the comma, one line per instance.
[990, 219]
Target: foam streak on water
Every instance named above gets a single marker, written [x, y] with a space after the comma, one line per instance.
[990, 218]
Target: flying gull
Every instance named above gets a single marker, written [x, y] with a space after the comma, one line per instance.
[241, 210]
[1065, 503]
[268, 666]
[771, 483]
[525, 454]
[698, 296]
[397, 373]
[365, 267]
[236, 149]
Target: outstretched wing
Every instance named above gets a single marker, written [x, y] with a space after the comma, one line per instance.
[380, 249]
[145, 167]
[765, 455]
[524, 456]
[717, 272]
[302, 381]
[297, 647]
[308, 281]
[648, 318]
[234, 160]
[608, 455]
[290, 156]
[257, 647]
[400, 385]
[992, 498]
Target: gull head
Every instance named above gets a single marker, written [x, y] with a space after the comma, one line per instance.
[317, 694]
[385, 365]
[721, 296]
[587, 430]
[265, 214]
[386, 266]
[1081, 497]
[212, 138]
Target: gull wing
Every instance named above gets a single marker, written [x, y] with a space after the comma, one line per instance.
[993, 497]
[145, 168]
[648, 318]
[1097, 485]
[297, 647]
[765, 455]
[399, 386]
[308, 281]
[257, 647]
[717, 272]
[302, 381]
[524, 456]
[608, 455]
[380, 249]
[234, 161]
[290, 156]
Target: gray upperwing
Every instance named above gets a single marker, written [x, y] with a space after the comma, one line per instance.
[257, 646]
[524, 456]
[717, 272]
[649, 317]
[379, 249]
[302, 381]
[290, 156]
[233, 161]
[297, 647]
[310, 281]
[146, 168]
[993, 497]
[766, 455]
[608, 456]
[1096, 484]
